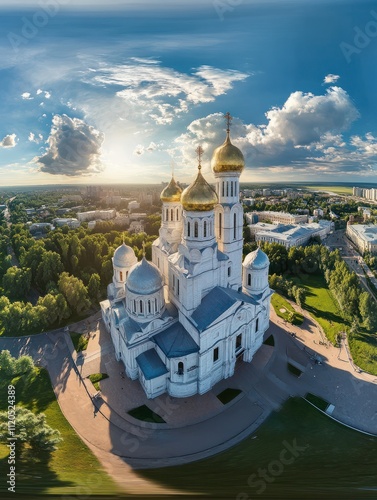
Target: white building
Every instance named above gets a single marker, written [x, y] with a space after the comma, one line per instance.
[133, 205]
[96, 215]
[180, 323]
[290, 235]
[276, 217]
[318, 212]
[70, 222]
[363, 236]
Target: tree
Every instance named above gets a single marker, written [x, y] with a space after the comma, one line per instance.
[56, 307]
[49, 269]
[368, 311]
[94, 286]
[16, 283]
[75, 292]
[31, 429]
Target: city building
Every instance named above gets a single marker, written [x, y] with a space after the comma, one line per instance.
[318, 212]
[290, 235]
[179, 323]
[70, 222]
[133, 205]
[275, 217]
[96, 215]
[363, 236]
[368, 194]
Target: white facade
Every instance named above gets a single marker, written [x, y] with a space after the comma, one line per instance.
[276, 217]
[363, 236]
[180, 323]
[96, 215]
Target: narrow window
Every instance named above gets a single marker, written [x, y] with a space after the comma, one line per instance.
[238, 342]
[188, 229]
[215, 354]
[229, 271]
[257, 325]
[235, 226]
[173, 281]
[149, 307]
[227, 188]
[155, 305]
[231, 188]
[121, 276]
[180, 368]
[178, 288]
[249, 279]
[220, 224]
[223, 188]
[196, 229]
[177, 213]
[134, 306]
[205, 229]
[141, 306]
[167, 215]
[172, 214]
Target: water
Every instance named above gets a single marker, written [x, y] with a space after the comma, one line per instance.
[331, 461]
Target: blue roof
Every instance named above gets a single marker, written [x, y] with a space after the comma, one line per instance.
[151, 364]
[216, 303]
[175, 341]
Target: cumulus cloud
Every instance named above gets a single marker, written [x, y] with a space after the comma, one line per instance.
[140, 149]
[330, 78]
[35, 138]
[9, 141]
[74, 148]
[306, 130]
[160, 93]
[27, 96]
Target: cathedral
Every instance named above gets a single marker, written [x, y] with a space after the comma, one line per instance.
[180, 322]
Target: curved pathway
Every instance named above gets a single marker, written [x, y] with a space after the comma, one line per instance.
[123, 444]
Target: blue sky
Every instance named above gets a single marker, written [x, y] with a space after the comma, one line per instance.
[119, 94]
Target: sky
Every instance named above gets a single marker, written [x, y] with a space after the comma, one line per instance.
[96, 92]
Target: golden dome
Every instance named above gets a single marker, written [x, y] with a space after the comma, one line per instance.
[199, 196]
[227, 158]
[172, 192]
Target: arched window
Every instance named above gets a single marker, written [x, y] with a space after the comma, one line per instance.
[141, 306]
[180, 368]
[229, 271]
[231, 188]
[235, 226]
[205, 229]
[257, 325]
[172, 214]
[149, 307]
[188, 229]
[249, 279]
[227, 188]
[167, 215]
[177, 213]
[220, 224]
[196, 229]
[121, 276]
[134, 306]
[223, 188]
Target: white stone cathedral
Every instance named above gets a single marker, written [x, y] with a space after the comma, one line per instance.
[180, 323]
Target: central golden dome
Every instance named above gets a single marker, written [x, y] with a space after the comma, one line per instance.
[199, 196]
[172, 192]
[227, 158]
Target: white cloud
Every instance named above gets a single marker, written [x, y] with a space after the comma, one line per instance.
[27, 96]
[9, 141]
[33, 138]
[74, 148]
[140, 149]
[152, 91]
[330, 78]
[47, 95]
[304, 132]
[39, 91]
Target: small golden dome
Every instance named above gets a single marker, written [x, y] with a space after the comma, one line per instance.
[227, 158]
[199, 196]
[172, 192]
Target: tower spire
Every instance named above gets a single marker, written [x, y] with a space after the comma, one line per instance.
[229, 119]
[199, 152]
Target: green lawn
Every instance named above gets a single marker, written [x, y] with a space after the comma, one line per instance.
[322, 306]
[333, 189]
[317, 401]
[363, 348]
[146, 414]
[96, 378]
[228, 395]
[72, 469]
[80, 341]
[279, 303]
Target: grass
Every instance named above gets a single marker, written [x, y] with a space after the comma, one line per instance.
[290, 315]
[70, 470]
[295, 371]
[363, 348]
[322, 306]
[317, 401]
[270, 341]
[80, 341]
[96, 378]
[333, 189]
[146, 414]
[228, 395]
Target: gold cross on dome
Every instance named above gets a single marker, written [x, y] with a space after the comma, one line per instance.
[229, 119]
[199, 152]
